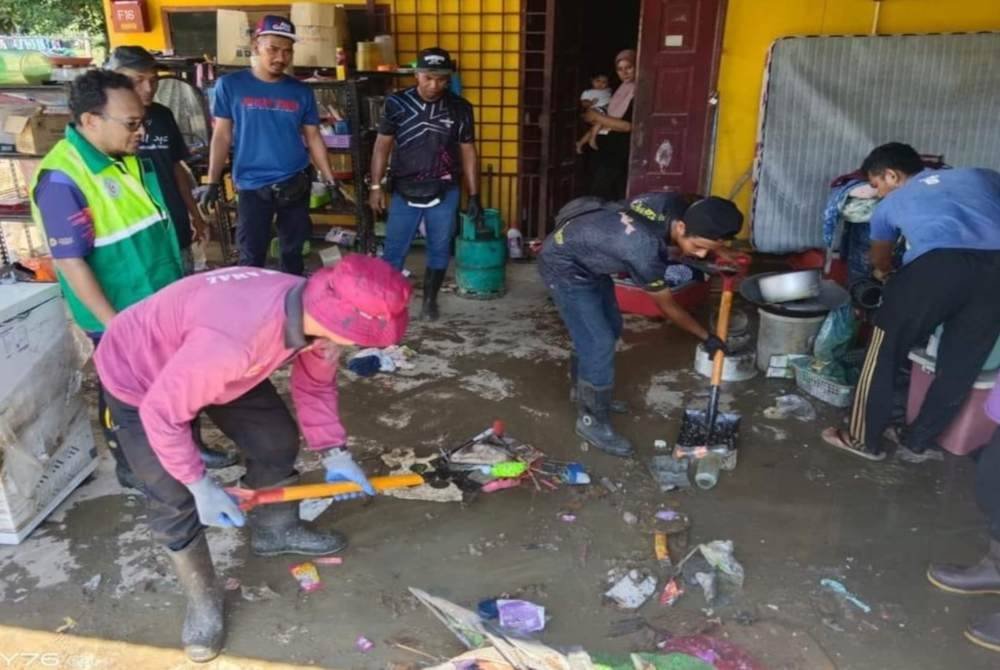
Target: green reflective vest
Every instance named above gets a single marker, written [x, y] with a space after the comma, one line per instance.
[135, 248]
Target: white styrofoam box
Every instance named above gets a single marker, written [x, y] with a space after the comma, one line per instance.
[23, 507]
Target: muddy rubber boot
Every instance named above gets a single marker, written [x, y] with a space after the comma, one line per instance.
[617, 406]
[277, 529]
[983, 577]
[432, 284]
[593, 422]
[204, 626]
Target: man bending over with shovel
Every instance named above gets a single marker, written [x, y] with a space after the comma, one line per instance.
[209, 343]
[595, 240]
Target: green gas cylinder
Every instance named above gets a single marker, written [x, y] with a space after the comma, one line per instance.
[481, 258]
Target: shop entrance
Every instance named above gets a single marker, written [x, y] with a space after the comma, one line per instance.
[565, 43]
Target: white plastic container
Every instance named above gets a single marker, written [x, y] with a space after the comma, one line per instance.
[515, 244]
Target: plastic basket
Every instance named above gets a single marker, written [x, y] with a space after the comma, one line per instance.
[822, 388]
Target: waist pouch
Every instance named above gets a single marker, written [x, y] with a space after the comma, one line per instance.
[578, 207]
[421, 192]
[289, 192]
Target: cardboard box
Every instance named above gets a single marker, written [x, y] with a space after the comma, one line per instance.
[321, 28]
[234, 35]
[13, 107]
[36, 133]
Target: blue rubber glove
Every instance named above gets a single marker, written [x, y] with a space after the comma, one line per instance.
[215, 506]
[340, 467]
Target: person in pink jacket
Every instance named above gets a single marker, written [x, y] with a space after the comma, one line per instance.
[208, 343]
[984, 576]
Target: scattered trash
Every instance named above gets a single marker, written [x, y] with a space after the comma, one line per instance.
[69, 623]
[488, 609]
[341, 237]
[567, 517]
[780, 366]
[609, 485]
[720, 654]
[231, 584]
[791, 406]
[707, 580]
[91, 585]
[671, 593]
[632, 590]
[255, 594]
[660, 444]
[405, 461]
[521, 616]
[307, 576]
[329, 560]
[832, 624]
[667, 515]
[719, 554]
[841, 590]
[670, 473]
[630, 518]
[660, 547]
[390, 359]
[363, 644]
[745, 618]
[309, 510]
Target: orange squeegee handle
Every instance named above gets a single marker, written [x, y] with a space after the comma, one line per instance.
[250, 498]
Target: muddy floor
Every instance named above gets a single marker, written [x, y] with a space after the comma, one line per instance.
[797, 512]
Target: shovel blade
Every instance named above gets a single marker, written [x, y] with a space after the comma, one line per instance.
[695, 430]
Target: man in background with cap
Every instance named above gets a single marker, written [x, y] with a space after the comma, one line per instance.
[164, 146]
[428, 132]
[262, 115]
[595, 240]
[210, 343]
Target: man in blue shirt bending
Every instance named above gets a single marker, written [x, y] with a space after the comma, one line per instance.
[950, 221]
[262, 114]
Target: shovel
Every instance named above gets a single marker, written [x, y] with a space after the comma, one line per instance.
[250, 498]
[707, 431]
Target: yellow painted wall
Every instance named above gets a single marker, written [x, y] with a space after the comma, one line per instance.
[751, 27]
[482, 35]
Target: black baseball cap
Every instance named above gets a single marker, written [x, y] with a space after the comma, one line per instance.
[131, 57]
[713, 218]
[435, 61]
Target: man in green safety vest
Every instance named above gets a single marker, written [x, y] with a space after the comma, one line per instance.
[108, 229]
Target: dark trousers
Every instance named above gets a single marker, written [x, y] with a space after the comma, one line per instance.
[253, 230]
[955, 287]
[260, 425]
[590, 312]
[988, 484]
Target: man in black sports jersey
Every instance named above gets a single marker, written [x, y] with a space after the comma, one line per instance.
[428, 132]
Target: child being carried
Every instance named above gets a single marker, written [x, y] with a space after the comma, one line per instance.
[596, 98]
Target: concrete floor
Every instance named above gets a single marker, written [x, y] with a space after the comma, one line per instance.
[796, 510]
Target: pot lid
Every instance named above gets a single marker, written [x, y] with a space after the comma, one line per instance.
[831, 296]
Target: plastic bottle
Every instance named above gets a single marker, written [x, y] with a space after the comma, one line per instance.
[515, 248]
[707, 474]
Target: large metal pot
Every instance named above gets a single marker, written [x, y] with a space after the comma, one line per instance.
[790, 286]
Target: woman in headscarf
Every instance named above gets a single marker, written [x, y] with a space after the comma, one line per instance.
[609, 164]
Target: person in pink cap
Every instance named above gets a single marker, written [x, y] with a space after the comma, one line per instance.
[208, 343]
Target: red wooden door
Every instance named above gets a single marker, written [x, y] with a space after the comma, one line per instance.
[679, 46]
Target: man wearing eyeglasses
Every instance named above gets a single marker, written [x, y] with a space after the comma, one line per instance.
[107, 223]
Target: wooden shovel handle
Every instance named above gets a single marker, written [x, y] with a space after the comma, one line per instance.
[722, 331]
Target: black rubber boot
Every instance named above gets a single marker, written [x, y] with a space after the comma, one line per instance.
[204, 626]
[983, 577]
[432, 284]
[214, 460]
[617, 406]
[985, 631]
[593, 422]
[277, 529]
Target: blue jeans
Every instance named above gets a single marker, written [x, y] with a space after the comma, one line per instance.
[253, 231]
[590, 312]
[404, 219]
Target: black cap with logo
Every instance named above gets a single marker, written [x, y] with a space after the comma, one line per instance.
[435, 61]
